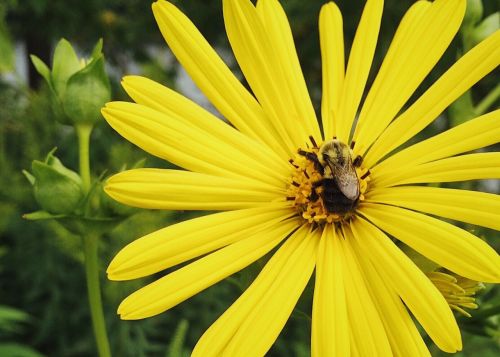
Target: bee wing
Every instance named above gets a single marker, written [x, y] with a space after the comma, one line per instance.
[347, 181]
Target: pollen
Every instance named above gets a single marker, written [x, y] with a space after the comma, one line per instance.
[307, 199]
[458, 291]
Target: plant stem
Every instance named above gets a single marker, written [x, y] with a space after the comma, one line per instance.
[83, 132]
[94, 294]
[90, 244]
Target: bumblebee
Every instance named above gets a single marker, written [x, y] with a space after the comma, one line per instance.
[340, 182]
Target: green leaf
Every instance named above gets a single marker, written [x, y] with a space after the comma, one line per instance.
[9, 314]
[41, 216]
[97, 51]
[488, 26]
[41, 68]
[86, 93]
[474, 12]
[64, 65]
[176, 344]
[17, 350]
[29, 177]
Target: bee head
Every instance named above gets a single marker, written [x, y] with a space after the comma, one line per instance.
[334, 151]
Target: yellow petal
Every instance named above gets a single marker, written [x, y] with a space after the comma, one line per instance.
[184, 190]
[252, 323]
[183, 241]
[212, 75]
[149, 93]
[457, 168]
[401, 331]
[420, 41]
[417, 291]
[189, 280]
[331, 37]
[280, 37]
[369, 337]
[358, 67]
[473, 134]
[469, 69]
[172, 138]
[449, 246]
[330, 329]
[472, 207]
[258, 60]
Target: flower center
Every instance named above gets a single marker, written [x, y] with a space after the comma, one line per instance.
[327, 182]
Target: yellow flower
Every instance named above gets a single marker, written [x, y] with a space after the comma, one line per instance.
[365, 286]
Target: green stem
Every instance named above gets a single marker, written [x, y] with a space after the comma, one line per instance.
[83, 132]
[90, 243]
[488, 101]
[94, 294]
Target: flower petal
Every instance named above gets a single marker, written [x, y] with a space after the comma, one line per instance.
[212, 75]
[420, 41]
[358, 67]
[258, 60]
[280, 37]
[330, 329]
[331, 37]
[174, 139]
[184, 190]
[368, 335]
[457, 168]
[156, 96]
[401, 331]
[472, 207]
[473, 134]
[253, 322]
[189, 280]
[183, 241]
[417, 291]
[469, 69]
[449, 246]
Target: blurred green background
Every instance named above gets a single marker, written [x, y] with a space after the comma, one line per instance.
[43, 306]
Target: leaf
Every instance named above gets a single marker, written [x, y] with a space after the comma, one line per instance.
[65, 64]
[17, 350]
[41, 68]
[41, 215]
[489, 25]
[29, 177]
[175, 348]
[97, 51]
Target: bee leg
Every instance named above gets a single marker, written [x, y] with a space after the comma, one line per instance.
[365, 175]
[313, 197]
[314, 159]
[357, 161]
[314, 194]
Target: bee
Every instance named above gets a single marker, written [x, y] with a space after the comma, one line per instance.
[339, 182]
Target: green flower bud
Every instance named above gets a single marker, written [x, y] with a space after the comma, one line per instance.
[79, 88]
[57, 189]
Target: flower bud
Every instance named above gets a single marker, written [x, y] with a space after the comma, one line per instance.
[79, 88]
[57, 189]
